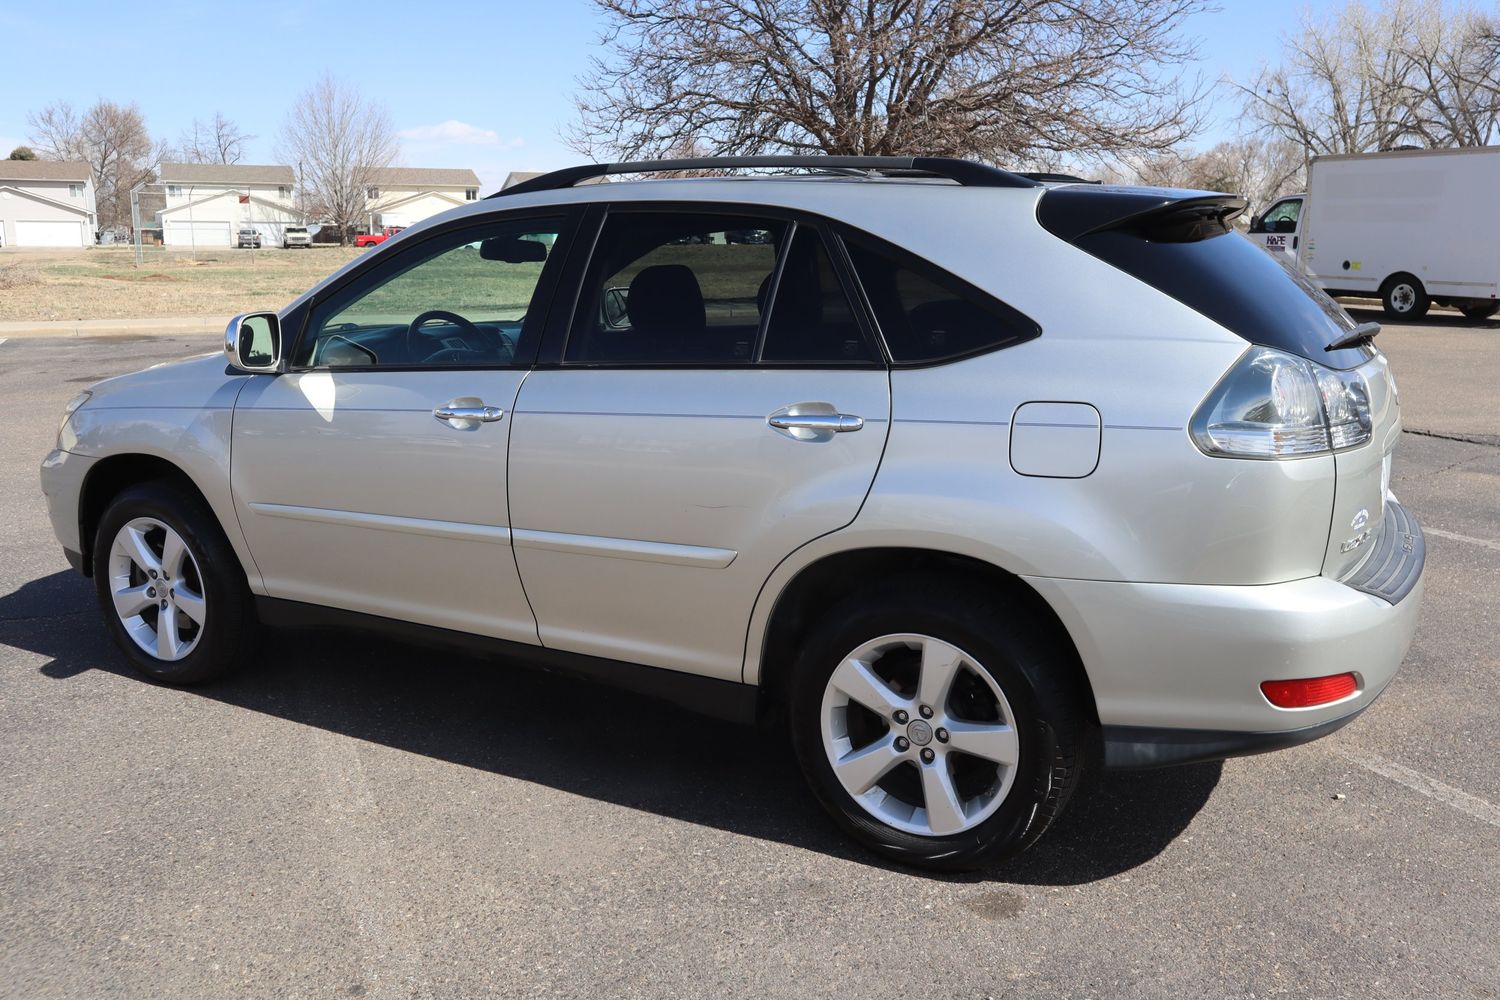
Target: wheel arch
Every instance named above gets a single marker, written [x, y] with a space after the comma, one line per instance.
[826, 580]
[108, 477]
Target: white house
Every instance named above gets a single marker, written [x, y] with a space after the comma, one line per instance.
[46, 203]
[207, 203]
[403, 196]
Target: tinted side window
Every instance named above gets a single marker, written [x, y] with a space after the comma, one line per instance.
[811, 320]
[675, 288]
[927, 314]
[470, 289]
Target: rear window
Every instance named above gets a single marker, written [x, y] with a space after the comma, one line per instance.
[1231, 281]
[927, 315]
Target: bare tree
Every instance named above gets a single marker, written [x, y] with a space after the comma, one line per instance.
[1017, 79]
[339, 142]
[218, 141]
[1413, 72]
[113, 139]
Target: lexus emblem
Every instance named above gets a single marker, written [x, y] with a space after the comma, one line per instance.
[1360, 520]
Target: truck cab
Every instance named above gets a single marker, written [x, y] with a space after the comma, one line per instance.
[1278, 230]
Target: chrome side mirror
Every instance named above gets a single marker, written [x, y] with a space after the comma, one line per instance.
[252, 342]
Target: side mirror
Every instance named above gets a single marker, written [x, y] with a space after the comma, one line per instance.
[1255, 224]
[616, 312]
[252, 342]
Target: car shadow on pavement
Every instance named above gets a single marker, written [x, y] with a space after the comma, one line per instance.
[598, 742]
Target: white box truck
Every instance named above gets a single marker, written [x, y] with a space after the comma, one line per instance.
[1411, 227]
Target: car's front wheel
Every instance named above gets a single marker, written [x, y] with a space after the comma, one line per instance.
[171, 589]
[937, 724]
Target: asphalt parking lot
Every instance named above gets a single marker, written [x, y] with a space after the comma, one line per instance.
[356, 818]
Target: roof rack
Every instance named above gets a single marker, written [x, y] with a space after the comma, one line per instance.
[1056, 178]
[965, 172]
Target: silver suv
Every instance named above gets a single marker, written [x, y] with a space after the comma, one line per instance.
[969, 483]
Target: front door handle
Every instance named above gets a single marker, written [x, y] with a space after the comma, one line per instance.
[837, 423]
[483, 414]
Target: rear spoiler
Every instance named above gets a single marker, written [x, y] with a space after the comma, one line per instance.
[1161, 215]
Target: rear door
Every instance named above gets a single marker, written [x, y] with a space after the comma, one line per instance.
[717, 403]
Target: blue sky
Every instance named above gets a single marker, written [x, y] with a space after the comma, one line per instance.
[468, 84]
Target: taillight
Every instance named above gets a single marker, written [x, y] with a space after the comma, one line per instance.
[1277, 405]
[1308, 692]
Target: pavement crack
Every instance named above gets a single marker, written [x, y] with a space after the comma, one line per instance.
[1486, 440]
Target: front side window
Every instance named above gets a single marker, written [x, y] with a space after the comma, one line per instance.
[928, 315]
[1282, 218]
[461, 299]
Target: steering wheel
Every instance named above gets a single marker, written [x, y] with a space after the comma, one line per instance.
[446, 317]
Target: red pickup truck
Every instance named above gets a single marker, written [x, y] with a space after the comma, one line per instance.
[371, 239]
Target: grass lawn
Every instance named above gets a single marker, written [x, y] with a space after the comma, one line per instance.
[105, 283]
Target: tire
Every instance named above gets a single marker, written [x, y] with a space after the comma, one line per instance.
[211, 610]
[892, 627]
[1403, 297]
[1480, 310]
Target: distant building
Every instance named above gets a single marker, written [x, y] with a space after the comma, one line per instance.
[46, 203]
[404, 196]
[207, 203]
[517, 176]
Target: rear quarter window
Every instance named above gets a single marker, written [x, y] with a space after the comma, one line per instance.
[928, 315]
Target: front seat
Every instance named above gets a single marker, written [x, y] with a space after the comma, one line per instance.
[665, 306]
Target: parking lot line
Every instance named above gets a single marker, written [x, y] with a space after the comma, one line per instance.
[1461, 538]
[1418, 782]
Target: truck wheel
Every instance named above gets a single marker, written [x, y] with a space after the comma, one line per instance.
[936, 723]
[1404, 297]
[1480, 310]
[171, 589]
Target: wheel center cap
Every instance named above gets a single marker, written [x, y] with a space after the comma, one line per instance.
[919, 732]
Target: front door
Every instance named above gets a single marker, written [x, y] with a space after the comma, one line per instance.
[372, 476]
[1279, 230]
[718, 404]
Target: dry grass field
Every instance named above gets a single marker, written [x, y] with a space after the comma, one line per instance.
[106, 283]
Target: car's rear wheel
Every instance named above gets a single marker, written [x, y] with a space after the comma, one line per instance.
[936, 724]
[171, 589]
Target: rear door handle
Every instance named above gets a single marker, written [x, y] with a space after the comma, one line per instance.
[837, 423]
[483, 414]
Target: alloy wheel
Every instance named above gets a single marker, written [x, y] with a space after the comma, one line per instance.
[919, 734]
[157, 589]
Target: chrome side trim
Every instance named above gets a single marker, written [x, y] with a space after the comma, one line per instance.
[494, 534]
[623, 548]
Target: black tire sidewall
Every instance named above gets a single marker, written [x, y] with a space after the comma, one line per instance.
[228, 632]
[1047, 722]
[1420, 303]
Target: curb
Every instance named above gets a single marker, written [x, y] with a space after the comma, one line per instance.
[191, 325]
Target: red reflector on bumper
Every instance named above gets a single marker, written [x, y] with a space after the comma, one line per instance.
[1309, 691]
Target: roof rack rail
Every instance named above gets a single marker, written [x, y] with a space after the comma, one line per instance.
[965, 172]
[1056, 178]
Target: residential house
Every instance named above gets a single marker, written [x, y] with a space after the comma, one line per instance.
[46, 203]
[404, 196]
[208, 203]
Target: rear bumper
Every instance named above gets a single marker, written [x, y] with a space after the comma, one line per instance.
[1176, 669]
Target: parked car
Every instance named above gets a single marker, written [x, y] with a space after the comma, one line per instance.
[295, 236]
[1411, 227]
[248, 238]
[375, 239]
[885, 481]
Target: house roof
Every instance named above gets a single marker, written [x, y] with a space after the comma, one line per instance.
[424, 177]
[33, 196]
[226, 173]
[43, 170]
[517, 176]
